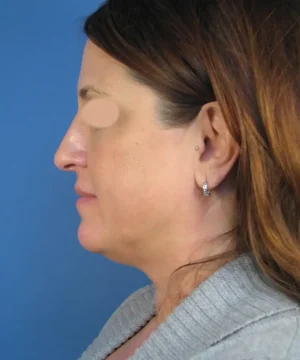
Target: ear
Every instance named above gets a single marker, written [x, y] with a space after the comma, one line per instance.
[218, 150]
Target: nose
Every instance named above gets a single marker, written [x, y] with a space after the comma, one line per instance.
[71, 153]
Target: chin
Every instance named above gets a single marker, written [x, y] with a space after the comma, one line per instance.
[88, 241]
[88, 244]
[103, 245]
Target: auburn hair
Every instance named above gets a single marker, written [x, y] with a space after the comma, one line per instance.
[246, 56]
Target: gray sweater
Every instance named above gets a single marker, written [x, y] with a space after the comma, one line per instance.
[236, 314]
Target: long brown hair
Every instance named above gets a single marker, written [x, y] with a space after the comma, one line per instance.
[245, 55]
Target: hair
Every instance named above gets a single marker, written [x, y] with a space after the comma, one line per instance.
[246, 56]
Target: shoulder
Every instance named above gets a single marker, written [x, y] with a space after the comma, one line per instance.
[130, 314]
[275, 337]
[142, 295]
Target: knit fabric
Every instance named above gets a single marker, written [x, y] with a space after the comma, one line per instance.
[235, 314]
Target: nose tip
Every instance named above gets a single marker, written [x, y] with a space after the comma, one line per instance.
[65, 155]
[70, 156]
[71, 152]
[62, 161]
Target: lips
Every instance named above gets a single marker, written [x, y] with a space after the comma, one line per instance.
[85, 197]
[82, 193]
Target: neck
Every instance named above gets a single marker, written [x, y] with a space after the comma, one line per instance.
[190, 241]
[181, 285]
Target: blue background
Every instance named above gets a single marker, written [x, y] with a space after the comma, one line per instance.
[54, 295]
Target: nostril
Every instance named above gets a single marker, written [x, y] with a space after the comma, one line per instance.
[69, 167]
[63, 164]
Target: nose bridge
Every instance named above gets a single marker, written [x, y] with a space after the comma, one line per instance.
[71, 152]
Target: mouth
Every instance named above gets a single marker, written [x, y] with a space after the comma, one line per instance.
[84, 197]
[85, 200]
[82, 193]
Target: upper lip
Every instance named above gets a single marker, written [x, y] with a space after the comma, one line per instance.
[82, 193]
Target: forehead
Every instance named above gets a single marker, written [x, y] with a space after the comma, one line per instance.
[101, 71]
[98, 68]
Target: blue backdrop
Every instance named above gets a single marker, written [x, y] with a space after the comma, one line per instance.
[54, 296]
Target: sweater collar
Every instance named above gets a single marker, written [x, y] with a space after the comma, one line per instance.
[233, 297]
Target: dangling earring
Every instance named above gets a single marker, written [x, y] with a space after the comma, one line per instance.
[206, 191]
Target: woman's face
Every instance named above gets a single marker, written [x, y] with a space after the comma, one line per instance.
[140, 173]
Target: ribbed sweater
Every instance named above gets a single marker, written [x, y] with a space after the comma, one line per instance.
[235, 314]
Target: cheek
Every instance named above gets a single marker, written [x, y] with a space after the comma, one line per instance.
[136, 181]
[117, 170]
[122, 183]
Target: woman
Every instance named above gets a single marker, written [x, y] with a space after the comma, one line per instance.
[186, 149]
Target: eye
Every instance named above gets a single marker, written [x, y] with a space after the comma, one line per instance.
[100, 113]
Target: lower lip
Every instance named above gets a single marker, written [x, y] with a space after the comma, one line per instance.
[85, 200]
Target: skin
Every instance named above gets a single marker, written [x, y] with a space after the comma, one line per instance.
[149, 210]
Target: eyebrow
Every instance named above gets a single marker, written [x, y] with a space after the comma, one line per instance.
[85, 92]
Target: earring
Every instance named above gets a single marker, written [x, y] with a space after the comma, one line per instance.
[206, 191]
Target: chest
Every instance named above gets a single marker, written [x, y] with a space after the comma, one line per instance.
[127, 349]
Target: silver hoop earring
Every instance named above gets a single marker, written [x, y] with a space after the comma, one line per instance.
[206, 191]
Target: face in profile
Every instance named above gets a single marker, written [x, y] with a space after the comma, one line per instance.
[136, 169]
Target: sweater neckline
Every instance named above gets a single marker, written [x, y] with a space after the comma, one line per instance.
[221, 305]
